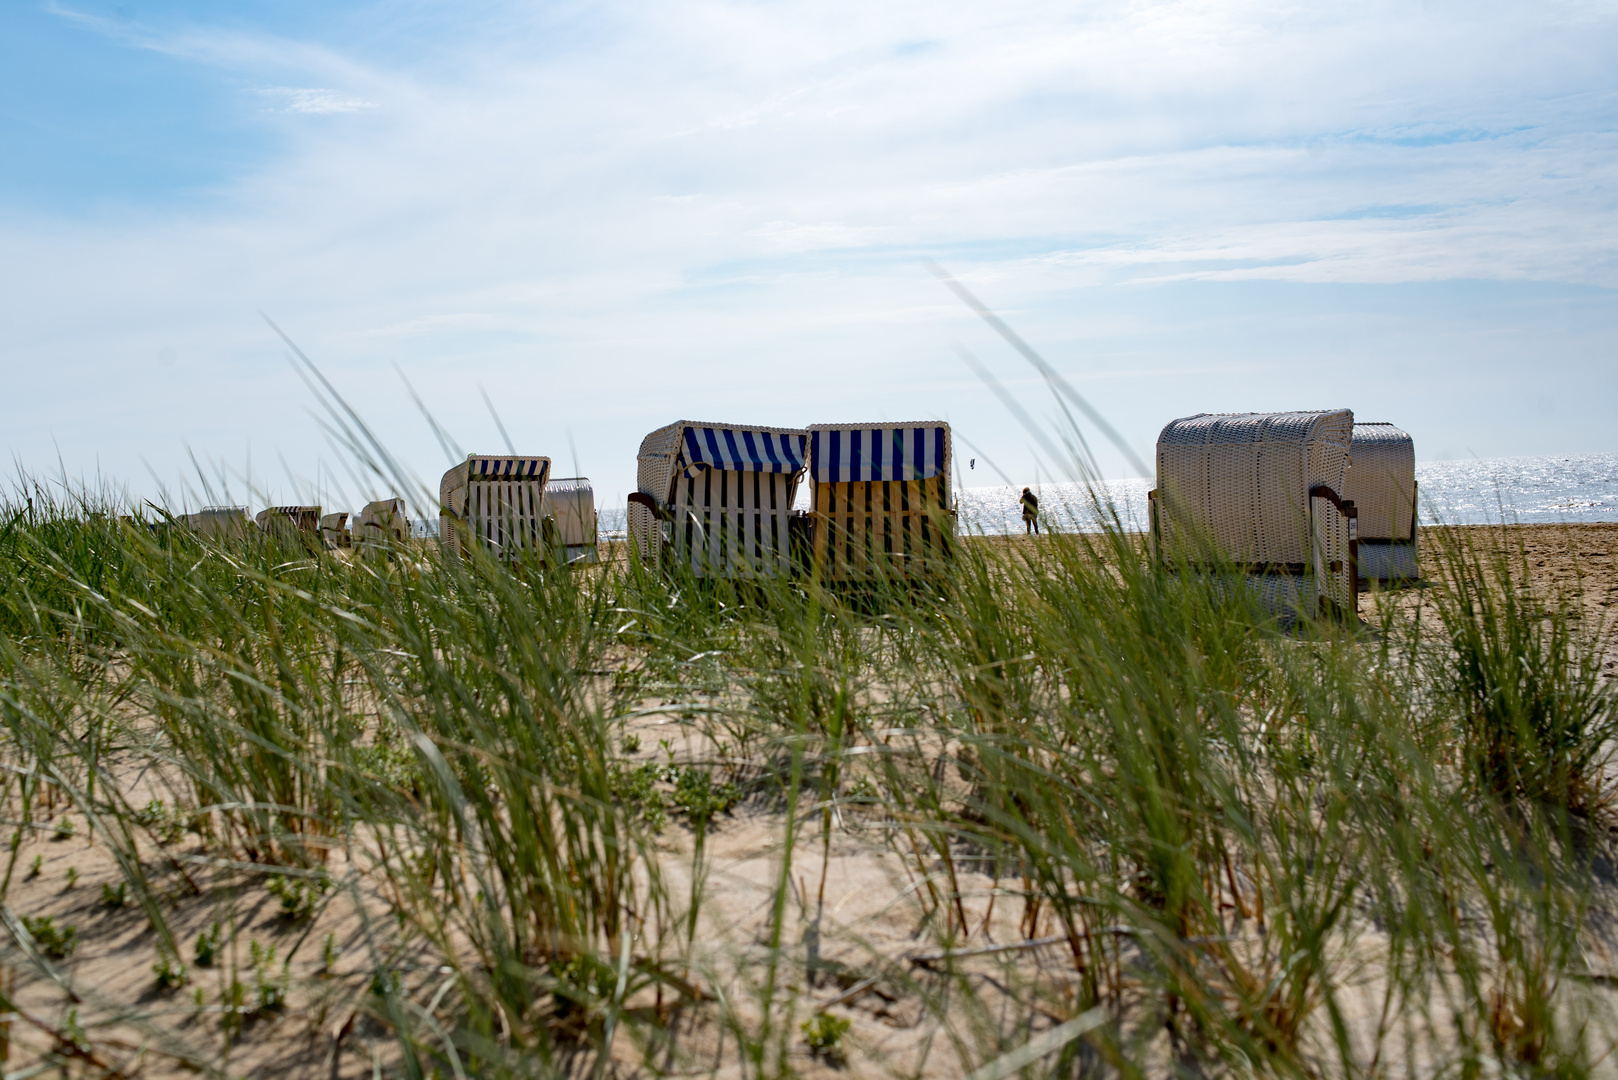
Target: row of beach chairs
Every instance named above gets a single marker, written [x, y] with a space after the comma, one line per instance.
[1306, 505]
[381, 522]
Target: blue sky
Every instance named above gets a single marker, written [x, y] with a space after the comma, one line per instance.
[610, 216]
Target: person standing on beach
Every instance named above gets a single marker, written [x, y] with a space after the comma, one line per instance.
[1030, 512]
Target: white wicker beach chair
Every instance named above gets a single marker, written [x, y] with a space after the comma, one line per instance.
[219, 522]
[570, 503]
[300, 523]
[1382, 484]
[334, 530]
[495, 501]
[382, 523]
[1262, 491]
[881, 502]
[717, 498]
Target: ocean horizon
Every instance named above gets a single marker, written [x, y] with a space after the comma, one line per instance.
[1547, 489]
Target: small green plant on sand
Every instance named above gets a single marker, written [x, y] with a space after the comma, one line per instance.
[56, 942]
[233, 1006]
[72, 876]
[329, 954]
[165, 823]
[270, 985]
[73, 1032]
[114, 896]
[208, 946]
[168, 972]
[700, 798]
[631, 743]
[34, 867]
[63, 829]
[824, 1033]
[299, 896]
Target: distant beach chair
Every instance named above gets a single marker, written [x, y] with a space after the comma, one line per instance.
[880, 500]
[300, 523]
[1382, 484]
[218, 522]
[570, 502]
[495, 501]
[382, 523]
[1264, 490]
[334, 530]
[717, 498]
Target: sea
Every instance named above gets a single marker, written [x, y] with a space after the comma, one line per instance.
[1525, 490]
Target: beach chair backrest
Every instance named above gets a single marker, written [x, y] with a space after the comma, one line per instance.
[300, 523]
[1382, 484]
[881, 501]
[219, 522]
[717, 498]
[1265, 490]
[570, 502]
[334, 530]
[494, 501]
[1382, 481]
[382, 522]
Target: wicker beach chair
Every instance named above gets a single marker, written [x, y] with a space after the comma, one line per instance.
[495, 501]
[1262, 491]
[1382, 484]
[717, 498]
[382, 523]
[300, 523]
[219, 522]
[334, 531]
[570, 503]
[880, 503]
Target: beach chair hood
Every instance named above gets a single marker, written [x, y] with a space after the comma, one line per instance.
[686, 447]
[843, 453]
[1382, 481]
[1265, 489]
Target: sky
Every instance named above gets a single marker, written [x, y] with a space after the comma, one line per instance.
[591, 219]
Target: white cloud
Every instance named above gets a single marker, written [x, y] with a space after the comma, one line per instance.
[313, 100]
[537, 168]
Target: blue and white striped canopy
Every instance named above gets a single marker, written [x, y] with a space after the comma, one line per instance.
[489, 468]
[742, 450]
[876, 453]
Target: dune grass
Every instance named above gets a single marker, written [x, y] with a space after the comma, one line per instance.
[1333, 851]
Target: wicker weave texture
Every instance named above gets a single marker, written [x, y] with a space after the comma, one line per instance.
[1243, 479]
[1242, 482]
[881, 528]
[571, 503]
[1382, 481]
[1381, 560]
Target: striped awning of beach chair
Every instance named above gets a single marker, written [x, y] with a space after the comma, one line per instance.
[903, 452]
[740, 449]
